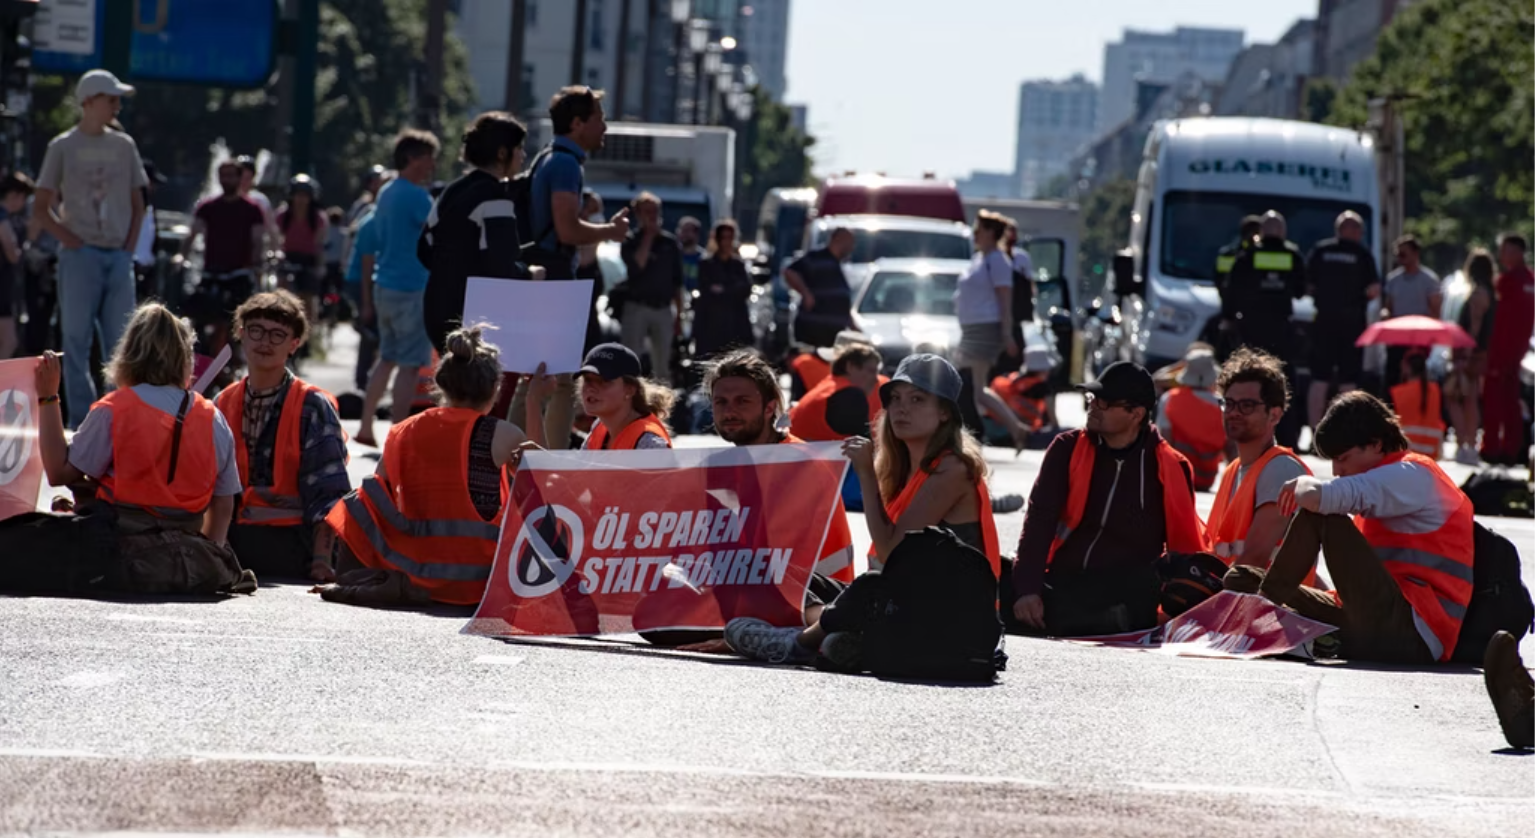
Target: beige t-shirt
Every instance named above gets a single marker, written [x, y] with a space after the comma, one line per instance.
[95, 177]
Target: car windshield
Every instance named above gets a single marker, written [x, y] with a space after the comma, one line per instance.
[903, 292]
[1196, 225]
[870, 245]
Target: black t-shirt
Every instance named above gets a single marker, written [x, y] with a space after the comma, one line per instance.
[822, 273]
[471, 231]
[655, 284]
[1340, 270]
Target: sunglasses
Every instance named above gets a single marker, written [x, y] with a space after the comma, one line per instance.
[1093, 401]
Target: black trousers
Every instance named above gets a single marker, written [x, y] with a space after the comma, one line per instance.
[59, 554]
[273, 552]
[1081, 604]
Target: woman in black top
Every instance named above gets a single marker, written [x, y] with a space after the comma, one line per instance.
[721, 313]
[472, 230]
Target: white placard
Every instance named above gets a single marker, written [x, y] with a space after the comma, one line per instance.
[67, 26]
[536, 322]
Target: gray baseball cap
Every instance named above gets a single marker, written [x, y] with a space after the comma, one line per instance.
[97, 82]
[925, 372]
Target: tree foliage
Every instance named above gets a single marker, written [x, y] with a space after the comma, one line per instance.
[1467, 74]
[778, 156]
[1105, 227]
[370, 52]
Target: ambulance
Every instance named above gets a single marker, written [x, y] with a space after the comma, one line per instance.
[1198, 178]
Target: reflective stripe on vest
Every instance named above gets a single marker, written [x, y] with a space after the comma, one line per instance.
[1268, 260]
[430, 528]
[279, 504]
[1223, 264]
[1422, 423]
[446, 571]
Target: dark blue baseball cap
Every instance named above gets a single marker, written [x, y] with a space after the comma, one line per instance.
[611, 360]
[926, 372]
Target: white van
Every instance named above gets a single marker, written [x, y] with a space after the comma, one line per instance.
[1198, 178]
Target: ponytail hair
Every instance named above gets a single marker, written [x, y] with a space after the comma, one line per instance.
[469, 373]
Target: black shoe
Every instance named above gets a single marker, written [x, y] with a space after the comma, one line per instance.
[1511, 689]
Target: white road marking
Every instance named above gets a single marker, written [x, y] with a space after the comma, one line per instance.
[499, 660]
[50, 753]
[125, 617]
[89, 679]
[261, 637]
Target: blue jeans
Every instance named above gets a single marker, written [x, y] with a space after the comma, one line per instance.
[96, 298]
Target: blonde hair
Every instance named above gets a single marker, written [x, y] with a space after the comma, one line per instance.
[156, 348]
[892, 459]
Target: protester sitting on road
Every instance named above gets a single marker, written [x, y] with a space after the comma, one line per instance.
[289, 446]
[1403, 571]
[1245, 525]
[472, 230]
[930, 473]
[1417, 402]
[847, 403]
[161, 457]
[810, 365]
[1190, 420]
[721, 312]
[1109, 501]
[747, 402]
[630, 411]
[426, 522]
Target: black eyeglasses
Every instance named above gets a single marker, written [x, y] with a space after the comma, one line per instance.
[1104, 404]
[1244, 407]
[261, 334]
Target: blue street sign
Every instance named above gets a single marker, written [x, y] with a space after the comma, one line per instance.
[223, 43]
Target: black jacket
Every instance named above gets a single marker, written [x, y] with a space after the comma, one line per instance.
[1338, 272]
[472, 231]
[1259, 293]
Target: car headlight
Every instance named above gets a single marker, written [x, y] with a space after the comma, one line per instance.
[1175, 319]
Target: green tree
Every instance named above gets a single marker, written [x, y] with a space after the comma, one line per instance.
[369, 51]
[1466, 77]
[1105, 228]
[778, 155]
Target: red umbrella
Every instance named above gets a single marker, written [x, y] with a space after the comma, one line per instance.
[1416, 330]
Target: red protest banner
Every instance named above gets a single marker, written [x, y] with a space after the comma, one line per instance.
[619, 541]
[21, 461]
[1233, 625]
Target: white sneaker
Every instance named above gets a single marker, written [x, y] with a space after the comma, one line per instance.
[1467, 456]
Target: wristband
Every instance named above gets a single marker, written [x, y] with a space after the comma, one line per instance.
[47, 400]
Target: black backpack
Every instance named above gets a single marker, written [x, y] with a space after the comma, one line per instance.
[938, 620]
[520, 190]
[1023, 297]
[1494, 491]
[1499, 600]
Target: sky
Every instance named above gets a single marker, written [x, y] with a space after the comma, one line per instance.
[907, 86]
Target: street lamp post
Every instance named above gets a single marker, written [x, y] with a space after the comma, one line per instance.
[698, 42]
[681, 10]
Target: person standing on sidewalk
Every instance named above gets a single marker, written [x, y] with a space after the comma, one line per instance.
[97, 176]
[1410, 289]
[1513, 321]
[653, 304]
[558, 180]
[394, 293]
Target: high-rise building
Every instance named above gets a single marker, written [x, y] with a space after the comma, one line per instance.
[1055, 119]
[765, 37]
[1270, 79]
[1346, 31]
[1161, 57]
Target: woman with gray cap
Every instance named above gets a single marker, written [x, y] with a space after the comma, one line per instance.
[928, 472]
[1190, 418]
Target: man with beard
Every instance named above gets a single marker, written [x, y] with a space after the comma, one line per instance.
[1245, 523]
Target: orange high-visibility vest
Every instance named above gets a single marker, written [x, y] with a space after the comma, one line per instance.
[807, 419]
[989, 543]
[277, 505]
[1434, 570]
[1424, 426]
[142, 460]
[1232, 515]
[414, 514]
[1198, 432]
[810, 369]
[426, 384]
[629, 436]
[1013, 389]
[1185, 532]
[836, 560]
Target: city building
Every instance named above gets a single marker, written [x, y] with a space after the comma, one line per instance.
[1055, 119]
[1270, 79]
[1346, 31]
[765, 38]
[988, 185]
[1158, 57]
[1116, 153]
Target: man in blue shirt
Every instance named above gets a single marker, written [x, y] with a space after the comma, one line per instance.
[558, 228]
[395, 292]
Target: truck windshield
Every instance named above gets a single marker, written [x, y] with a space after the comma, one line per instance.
[1196, 225]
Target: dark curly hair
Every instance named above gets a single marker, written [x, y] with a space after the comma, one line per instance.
[1355, 420]
[1257, 366]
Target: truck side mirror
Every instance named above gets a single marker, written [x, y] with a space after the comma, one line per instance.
[1125, 281]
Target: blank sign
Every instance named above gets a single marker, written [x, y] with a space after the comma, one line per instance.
[535, 322]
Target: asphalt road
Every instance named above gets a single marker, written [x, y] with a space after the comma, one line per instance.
[280, 714]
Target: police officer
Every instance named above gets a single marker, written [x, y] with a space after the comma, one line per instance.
[1217, 332]
[1342, 278]
[1257, 302]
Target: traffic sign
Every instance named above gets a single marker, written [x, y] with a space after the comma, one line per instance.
[223, 43]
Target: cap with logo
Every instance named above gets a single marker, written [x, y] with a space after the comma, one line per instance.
[926, 372]
[100, 82]
[1124, 382]
[611, 360]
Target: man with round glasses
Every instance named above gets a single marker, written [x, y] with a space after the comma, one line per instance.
[1245, 523]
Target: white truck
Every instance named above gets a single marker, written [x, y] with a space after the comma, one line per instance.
[1198, 178]
[690, 168]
